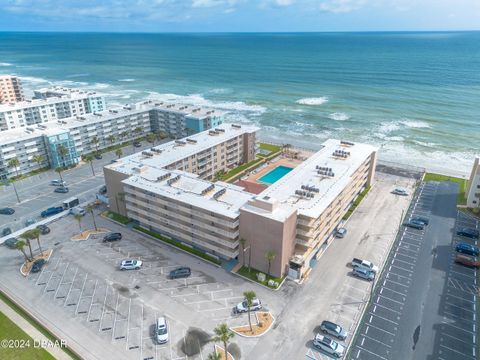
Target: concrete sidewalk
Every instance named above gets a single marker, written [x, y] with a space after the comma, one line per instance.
[31, 331]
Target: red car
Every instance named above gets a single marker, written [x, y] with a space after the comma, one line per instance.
[467, 260]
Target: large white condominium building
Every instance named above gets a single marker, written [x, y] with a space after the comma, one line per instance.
[10, 89]
[51, 105]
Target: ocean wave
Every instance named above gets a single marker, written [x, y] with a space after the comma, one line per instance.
[77, 75]
[33, 79]
[388, 127]
[313, 101]
[5, 64]
[424, 144]
[220, 91]
[415, 124]
[198, 100]
[126, 80]
[339, 116]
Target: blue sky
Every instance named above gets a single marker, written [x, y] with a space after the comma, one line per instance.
[238, 15]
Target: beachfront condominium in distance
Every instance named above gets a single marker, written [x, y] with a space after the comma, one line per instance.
[10, 89]
[170, 189]
[473, 185]
[48, 106]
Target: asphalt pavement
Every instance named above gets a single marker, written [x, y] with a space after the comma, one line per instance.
[423, 304]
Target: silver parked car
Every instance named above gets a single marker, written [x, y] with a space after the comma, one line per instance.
[131, 264]
[333, 329]
[328, 345]
[400, 191]
[363, 273]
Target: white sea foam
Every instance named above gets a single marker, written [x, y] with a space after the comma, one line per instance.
[388, 127]
[339, 116]
[126, 80]
[198, 100]
[313, 101]
[5, 64]
[33, 79]
[414, 124]
[220, 91]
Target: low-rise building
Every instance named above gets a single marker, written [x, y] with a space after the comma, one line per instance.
[473, 185]
[10, 89]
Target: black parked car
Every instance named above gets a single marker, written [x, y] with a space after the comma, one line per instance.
[7, 211]
[44, 229]
[468, 232]
[112, 237]
[421, 219]
[137, 144]
[37, 265]
[415, 224]
[11, 243]
[6, 231]
[98, 156]
[181, 272]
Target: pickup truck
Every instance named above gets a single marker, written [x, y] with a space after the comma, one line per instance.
[364, 264]
[51, 211]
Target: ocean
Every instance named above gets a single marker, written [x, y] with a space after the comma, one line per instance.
[414, 95]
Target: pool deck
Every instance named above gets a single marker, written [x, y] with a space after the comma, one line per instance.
[250, 182]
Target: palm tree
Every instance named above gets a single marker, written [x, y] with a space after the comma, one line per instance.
[89, 158]
[138, 130]
[161, 135]
[214, 356]
[119, 153]
[14, 163]
[111, 139]
[20, 245]
[242, 242]
[35, 233]
[79, 218]
[59, 171]
[27, 236]
[38, 159]
[62, 152]
[249, 297]
[90, 208]
[223, 334]
[270, 256]
[94, 141]
[150, 138]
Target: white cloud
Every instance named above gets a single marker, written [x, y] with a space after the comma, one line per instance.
[341, 6]
[284, 2]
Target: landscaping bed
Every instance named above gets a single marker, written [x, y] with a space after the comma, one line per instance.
[264, 321]
[252, 275]
[179, 245]
[219, 350]
[116, 217]
[27, 265]
[84, 235]
[357, 201]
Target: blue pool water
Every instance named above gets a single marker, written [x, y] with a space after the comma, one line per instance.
[275, 175]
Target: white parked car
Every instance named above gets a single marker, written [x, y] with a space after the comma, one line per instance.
[131, 264]
[328, 345]
[161, 330]
[243, 307]
[399, 191]
[58, 183]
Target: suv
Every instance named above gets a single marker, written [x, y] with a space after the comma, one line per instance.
[420, 219]
[328, 345]
[44, 229]
[37, 265]
[112, 237]
[415, 224]
[6, 231]
[181, 272]
[11, 243]
[131, 265]
[7, 211]
[243, 306]
[465, 260]
[399, 191]
[58, 183]
[467, 249]
[468, 232]
[363, 273]
[51, 211]
[333, 329]
[161, 330]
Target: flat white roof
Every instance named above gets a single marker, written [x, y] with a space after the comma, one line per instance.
[187, 110]
[43, 102]
[282, 192]
[172, 151]
[190, 189]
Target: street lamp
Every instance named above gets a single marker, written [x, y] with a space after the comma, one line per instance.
[8, 182]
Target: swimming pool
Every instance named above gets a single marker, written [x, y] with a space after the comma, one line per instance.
[275, 175]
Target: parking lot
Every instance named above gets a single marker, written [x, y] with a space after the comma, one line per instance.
[423, 305]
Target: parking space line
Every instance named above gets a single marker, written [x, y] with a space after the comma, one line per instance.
[456, 351]
[453, 316]
[91, 301]
[103, 309]
[461, 298]
[397, 292]
[460, 307]
[398, 267]
[409, 256]
[387, 308]
[128, 322]
[378, 341]
[370, 352]
[397, 283]
[407, 249]
[402, 276]
[71, 285]
[393, 322]
[456, 339]
[61, 279]
[402, 261]
[389, 299]
[380, 329]
[81, 293]
[459, 273]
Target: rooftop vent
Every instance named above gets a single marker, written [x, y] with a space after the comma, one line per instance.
[158, 151]
[180, 142]
[341, 154]
[191, 141]
[127, 107]
[220, 130]
[214, 133]
[326, 173]
[173, 180]
[113, 111]
[310, 188]
[236, 126]
[208, 189]
[40, 126]
[346, 143]
[147, 153]
[164, 176]
[219, 193]
[97, 114]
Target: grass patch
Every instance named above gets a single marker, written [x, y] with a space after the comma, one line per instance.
[36, 325]
[10, 331]
[356, 203]
[31, 173]
[270, 147]
[252, 275]
[179, 245]
[241, 168]
[462, 183]
[117, 217]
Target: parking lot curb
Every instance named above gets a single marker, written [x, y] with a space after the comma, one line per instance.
[255, 336]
